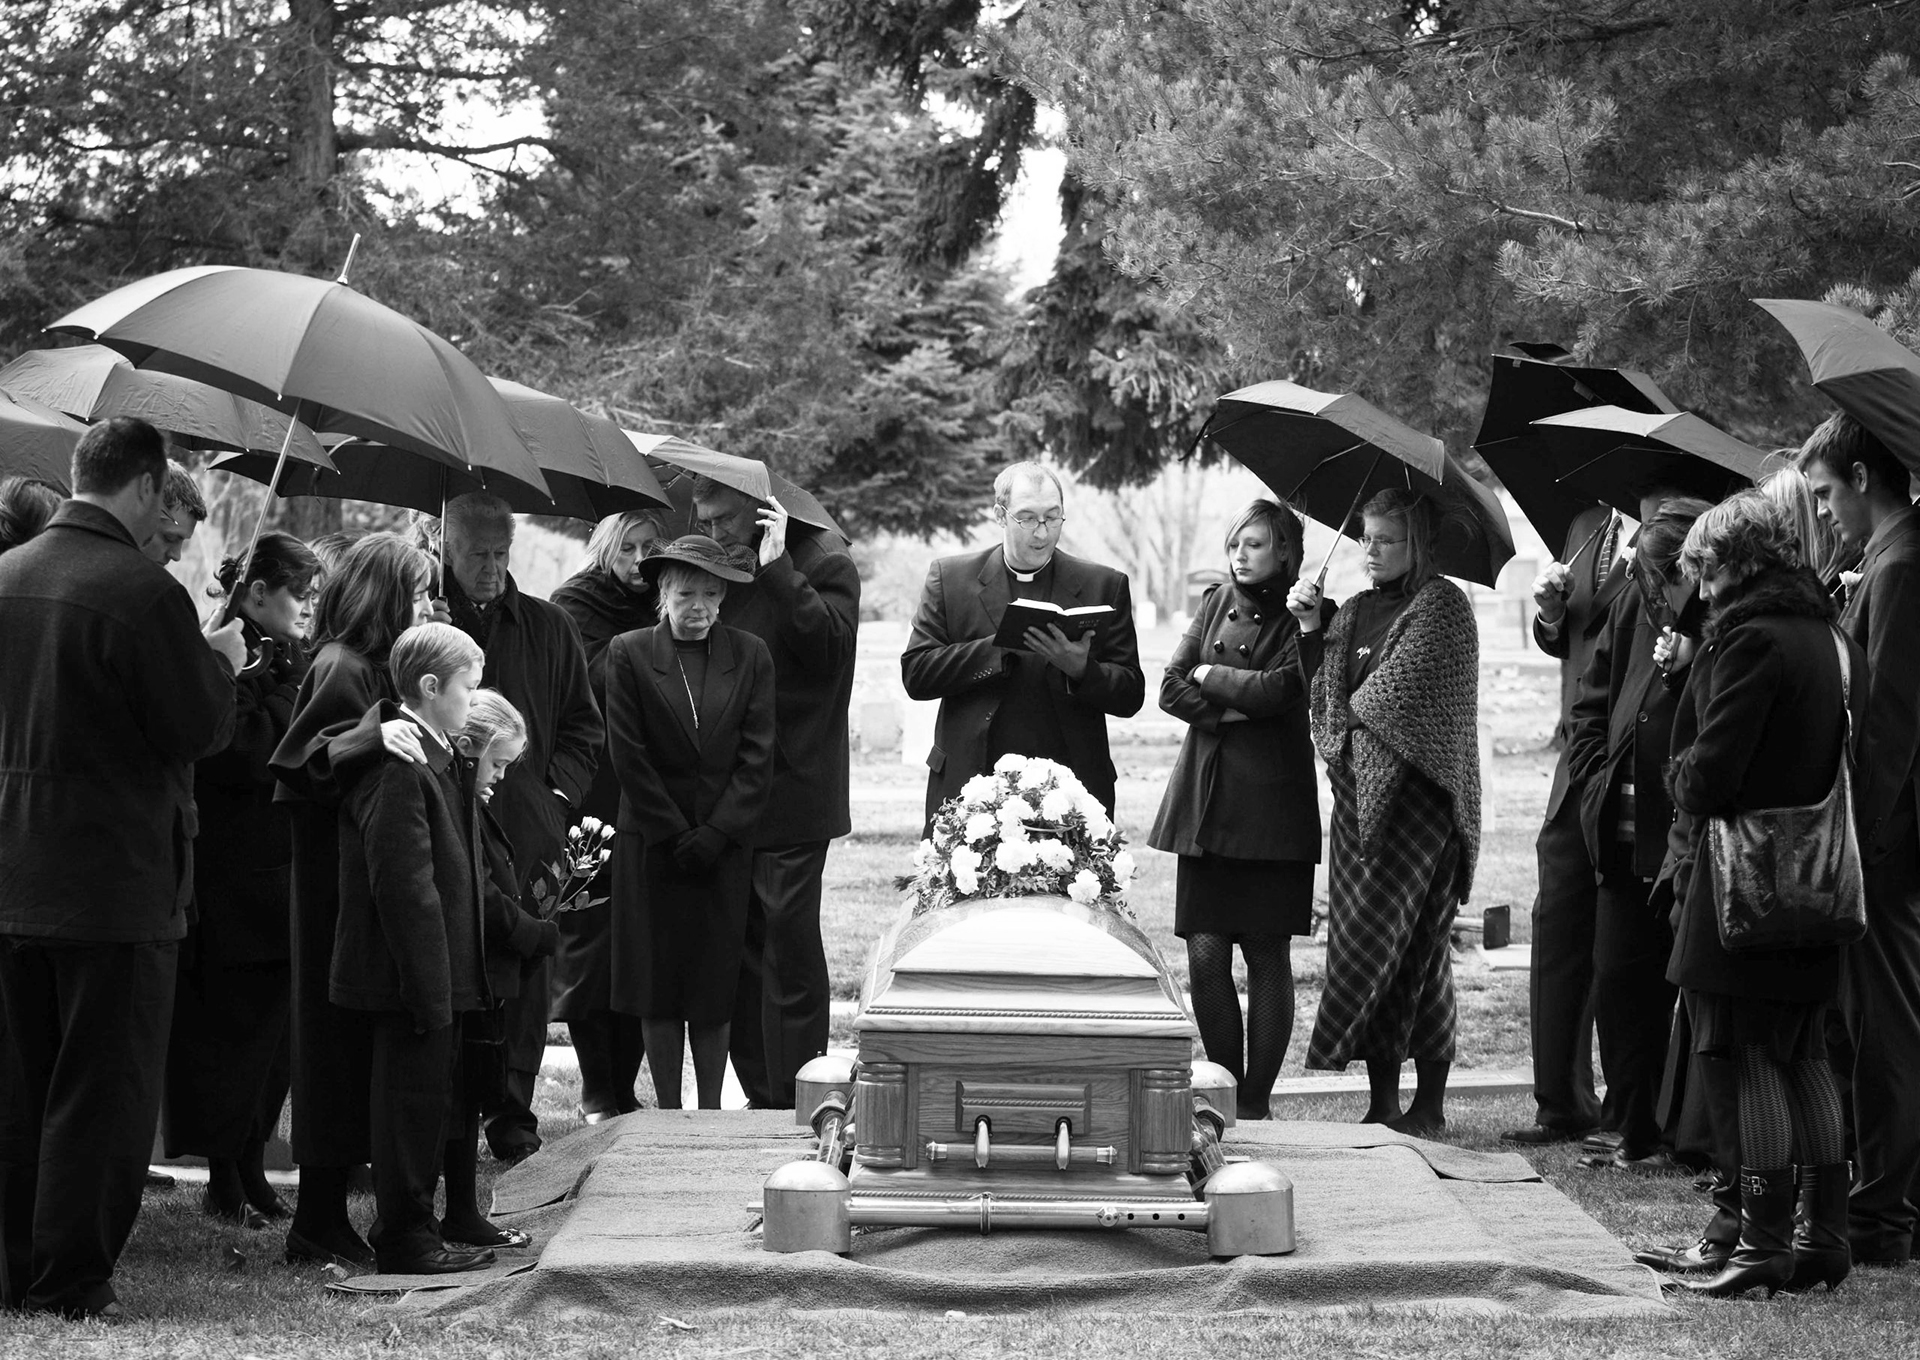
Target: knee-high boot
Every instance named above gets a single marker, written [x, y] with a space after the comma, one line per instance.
[1764, 1255]
[1821, 1254]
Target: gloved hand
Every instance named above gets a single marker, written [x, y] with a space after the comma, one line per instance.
[695, 851]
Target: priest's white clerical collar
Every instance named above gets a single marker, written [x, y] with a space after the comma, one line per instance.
[1028, 577]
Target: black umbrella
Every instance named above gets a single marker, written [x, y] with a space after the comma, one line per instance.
[1528, 389]
[1868, 374]
[1616, 456]
[1326, 454]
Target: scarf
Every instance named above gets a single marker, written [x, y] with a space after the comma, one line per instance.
[1419, 709]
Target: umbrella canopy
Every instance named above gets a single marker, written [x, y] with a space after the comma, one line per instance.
[36, 441]
[747, 475]
[1616, 456]
[1868, 374]
[315, 349]
[92, 382]
[1327, 454]
[364, 471]
[590, 465]
[1525, 390]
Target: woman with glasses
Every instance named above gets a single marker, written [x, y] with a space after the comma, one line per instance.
[1242, 806]
[1395, 712]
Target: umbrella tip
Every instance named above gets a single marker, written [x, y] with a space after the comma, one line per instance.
[346, 267]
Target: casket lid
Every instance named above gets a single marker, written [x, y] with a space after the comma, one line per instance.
[1020, 965]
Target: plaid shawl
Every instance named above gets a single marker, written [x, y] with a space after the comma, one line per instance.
[1419, 708]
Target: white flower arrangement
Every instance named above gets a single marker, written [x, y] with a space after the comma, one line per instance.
[1028, 829]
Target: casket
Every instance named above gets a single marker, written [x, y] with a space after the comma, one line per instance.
[1028, 1047]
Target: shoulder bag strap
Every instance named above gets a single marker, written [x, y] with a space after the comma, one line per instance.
[1846, 690]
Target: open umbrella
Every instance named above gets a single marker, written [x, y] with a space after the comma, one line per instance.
[36, 441]
[1868, 374]
[1616, 456]
[747, 475]
[92, 382]
[1530, 388]
[1328, 454]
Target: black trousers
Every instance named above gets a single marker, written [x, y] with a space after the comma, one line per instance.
[1560, 983]
[781, 1006]
[228, 1064]
[1880, 1003]
[411, 1097]
[512, 1126]
[86, 1027]
[1633, 1007]
[609, 1046]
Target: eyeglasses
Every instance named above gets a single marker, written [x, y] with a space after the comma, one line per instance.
[1369, 541]
[1030, 522]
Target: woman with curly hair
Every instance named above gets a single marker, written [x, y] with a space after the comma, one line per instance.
[1395, 714]
[26, 504]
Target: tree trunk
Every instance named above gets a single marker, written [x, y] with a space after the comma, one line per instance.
[313, 146]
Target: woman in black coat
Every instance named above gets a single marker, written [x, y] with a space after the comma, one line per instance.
[690, 734]
[379, 590]
[609, 596]
[1242, 806]
[227, 1058]
[1765, 726]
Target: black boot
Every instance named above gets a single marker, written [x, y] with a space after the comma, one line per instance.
[1715, 1244]
[1820, 1251]
[1764, 1256]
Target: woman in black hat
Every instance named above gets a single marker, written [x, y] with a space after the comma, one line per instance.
[690, 735]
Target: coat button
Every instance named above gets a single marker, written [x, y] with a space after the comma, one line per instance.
[1219, 646]
[1244, 650]
[1233, 613]
[1643, 717]
[1256, 618]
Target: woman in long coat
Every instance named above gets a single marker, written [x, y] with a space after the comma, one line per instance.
[378, 591]
[1242, 806]
[608, 596]
[1396, 715]
[227, 1057]
[690, 731]
[1763, 724]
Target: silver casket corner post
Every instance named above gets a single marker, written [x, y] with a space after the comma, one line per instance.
[1023, 1062]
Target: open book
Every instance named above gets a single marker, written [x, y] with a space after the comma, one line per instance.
[1024, 614]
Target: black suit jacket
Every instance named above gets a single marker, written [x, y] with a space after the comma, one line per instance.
[950, 656]
[1594, 591]
[805, 605]
[1883, 617]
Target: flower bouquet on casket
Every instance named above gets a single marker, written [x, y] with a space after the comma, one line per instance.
[1028, 829]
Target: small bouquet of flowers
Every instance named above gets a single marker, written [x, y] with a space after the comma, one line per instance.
[584, 856]
[1028, 829]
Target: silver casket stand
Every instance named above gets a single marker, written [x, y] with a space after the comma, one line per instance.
[1023, 1063]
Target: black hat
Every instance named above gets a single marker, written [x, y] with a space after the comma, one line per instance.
[696, 550]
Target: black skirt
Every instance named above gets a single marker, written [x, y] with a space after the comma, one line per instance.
[1790, 1031]
[1214, 895]
[677, 937]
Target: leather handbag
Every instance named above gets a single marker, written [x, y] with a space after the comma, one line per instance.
[1790, 878]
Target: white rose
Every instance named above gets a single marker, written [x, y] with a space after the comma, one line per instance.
[1056, 805]
[1123, 867]
[1010, 763]
[979, 790]
[979, 826]
[1013, 812]
[1013, 854]
[1099, 825]
[1084, 888]
[590, 823]
[1053, 854]
[966, 884]
[925, 855]
[964, 859]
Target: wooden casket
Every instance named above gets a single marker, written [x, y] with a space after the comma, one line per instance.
[1027, 1047]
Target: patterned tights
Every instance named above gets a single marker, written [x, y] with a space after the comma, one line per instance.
[1216, 1006]
[1779, 1100]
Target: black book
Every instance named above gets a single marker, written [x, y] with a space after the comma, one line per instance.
[1024, 614]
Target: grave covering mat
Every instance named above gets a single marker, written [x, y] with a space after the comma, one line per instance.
[651, 1212]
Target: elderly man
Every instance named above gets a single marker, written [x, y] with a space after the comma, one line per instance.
[1050, 698]
[804, 603]
[535, 658]
[110, 694]
[183, 509]
[1862, 491]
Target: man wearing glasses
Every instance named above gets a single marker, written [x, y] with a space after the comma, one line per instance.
[1048, 698]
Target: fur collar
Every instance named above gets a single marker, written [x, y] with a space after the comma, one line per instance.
[1795, 592]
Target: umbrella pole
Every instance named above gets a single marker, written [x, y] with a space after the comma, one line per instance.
[441, 556]
[1320, 581]
[260, 521]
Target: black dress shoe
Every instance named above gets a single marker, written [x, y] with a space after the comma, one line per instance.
[1543, 1135]
[436, 1261]
[241, 1215]
[343, 1249]
[1702, 1255]
[269, 1206]
[484, 1233]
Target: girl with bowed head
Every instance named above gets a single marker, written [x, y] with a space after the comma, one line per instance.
[379, 590]
[227, 1060]
[608, 596]
[1395, 713]
[1242, 806]
[690, 735]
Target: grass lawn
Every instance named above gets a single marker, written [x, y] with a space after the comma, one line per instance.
[194, 1289]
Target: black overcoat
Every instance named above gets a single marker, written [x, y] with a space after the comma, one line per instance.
[1598, 579]
[410, 930]
[1246, 790]
[1623, 719]
[514, 936]
[244, 856]
[1762, 727]
[950, 656]
[677, 937]
[805, 606]
[108, 694]
[1883, 617]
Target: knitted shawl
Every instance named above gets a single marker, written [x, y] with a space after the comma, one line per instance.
[1419, 708]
